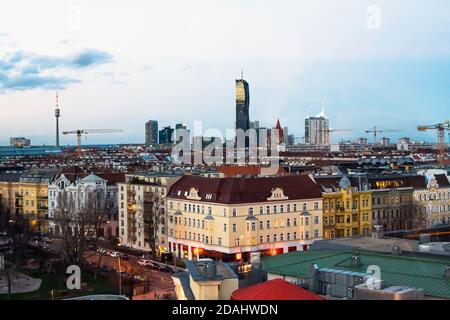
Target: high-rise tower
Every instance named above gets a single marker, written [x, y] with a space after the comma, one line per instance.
[242, 105]
[57, 115]
[317, 130]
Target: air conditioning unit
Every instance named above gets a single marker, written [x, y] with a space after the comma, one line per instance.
[447, 272]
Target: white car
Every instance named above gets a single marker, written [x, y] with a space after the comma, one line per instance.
[145, 262]
[114, 254]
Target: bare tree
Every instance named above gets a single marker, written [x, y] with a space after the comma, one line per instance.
[419, 216]
[8, 272]
[78, 220]
[153, 217]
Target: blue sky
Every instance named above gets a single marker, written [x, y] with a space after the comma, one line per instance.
[120, 63]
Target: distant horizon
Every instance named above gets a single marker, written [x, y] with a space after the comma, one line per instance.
[385, 64]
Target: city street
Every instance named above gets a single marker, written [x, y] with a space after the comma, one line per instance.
[160, 282]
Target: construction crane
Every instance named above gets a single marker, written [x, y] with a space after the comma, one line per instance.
[80, 132]
[376, 131]
[440, 127]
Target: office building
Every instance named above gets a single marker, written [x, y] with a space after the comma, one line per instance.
[166, 135]
[317, 129]
[19, 142]
[151, 132]
[242, 105]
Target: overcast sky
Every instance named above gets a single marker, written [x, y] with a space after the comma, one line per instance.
[118, 64]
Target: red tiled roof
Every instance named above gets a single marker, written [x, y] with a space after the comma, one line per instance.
[246, 190]
[112, 178]
[276, 289]
[234, 171]
[442, 180]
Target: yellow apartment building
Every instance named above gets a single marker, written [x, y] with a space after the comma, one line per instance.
[26, 198]
[347, 207]
[240, 219]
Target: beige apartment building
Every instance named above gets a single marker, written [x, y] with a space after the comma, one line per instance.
[432, 198]
[136, 198]
[240, 219]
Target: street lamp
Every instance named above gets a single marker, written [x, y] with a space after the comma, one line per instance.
[120, 276]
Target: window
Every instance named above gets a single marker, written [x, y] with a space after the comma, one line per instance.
[261, 225]
[307, 235]
[295, 207]
[234, 212]
[268, 209]
[281, 209]
[274, 209]
[209, 210]
[224, 212]
[306, 221]
[295, 222]
[288, 236]
[261, 210]
[281, 237]
[261, 239]
[288, 222]
[268, 224]
[224, 227]
[219, 241]
[268, 238]
[305, 207]
[234, 227]
[253, 226]
[250, 211]
[288, 208]
[316, 233]
[274, 238]
[316, 219]
[316, 206]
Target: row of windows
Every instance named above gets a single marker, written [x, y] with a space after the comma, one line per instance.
[434, 196]
[250, 211]
[345, 218]
[338, 205]
[268, 238]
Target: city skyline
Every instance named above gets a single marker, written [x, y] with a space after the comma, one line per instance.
[300, 56]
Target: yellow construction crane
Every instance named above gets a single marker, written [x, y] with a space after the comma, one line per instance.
[376, 131]
[440, 127]
[80, 132]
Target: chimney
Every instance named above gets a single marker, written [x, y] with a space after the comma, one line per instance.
[378, 232]
[396, 250]
[356, 261]
[447, 272]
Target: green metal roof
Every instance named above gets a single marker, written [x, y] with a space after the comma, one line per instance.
[412, 271]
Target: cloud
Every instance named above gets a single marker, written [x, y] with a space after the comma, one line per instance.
[21, 70]
[83, 59]
[30, 81]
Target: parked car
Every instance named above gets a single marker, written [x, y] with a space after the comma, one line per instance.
[101, 250]
[145, 262]
[140, 277]
[113, 254]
